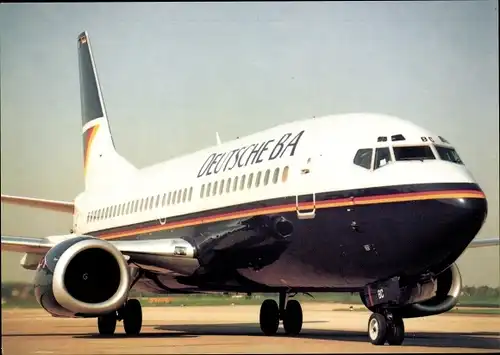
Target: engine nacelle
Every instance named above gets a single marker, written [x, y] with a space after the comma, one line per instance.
[447, 291]
[82, 276]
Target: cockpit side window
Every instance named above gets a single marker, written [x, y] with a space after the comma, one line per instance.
[363, 158]
[448, 154]
[382, 157]
[421, 152]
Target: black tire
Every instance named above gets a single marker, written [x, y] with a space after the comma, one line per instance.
[292, 320]
[269, 317]
[377, 329]
[132, 317]
[107, 324]
[396, 332]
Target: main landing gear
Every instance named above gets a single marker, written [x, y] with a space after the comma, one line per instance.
[130, 313]
[271, 313]
[384, 327]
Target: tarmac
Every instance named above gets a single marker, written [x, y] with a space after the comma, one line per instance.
[327, 328]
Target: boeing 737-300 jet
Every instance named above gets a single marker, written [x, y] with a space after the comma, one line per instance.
[363, 203]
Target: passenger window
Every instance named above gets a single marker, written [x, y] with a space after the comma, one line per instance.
[146, 203]
[257, 179]
[276, 175]
[164, 200]
[157, 201]
[184, 195]
[284, 177]
[173, 197]
[266, 177]
[221, 187]
[179, 196]
[423, 152]
[202, 191]
[151, 202]
[214, 191]
[242, 182]
[228, 186]
[235, 183]
[190, 193]
[363, 158]
[107, 213]
[382, 157]
[250, 180]
[136, 205]
[126, 208]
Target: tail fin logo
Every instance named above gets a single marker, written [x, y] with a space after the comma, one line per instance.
[83, 40]
[88, 137]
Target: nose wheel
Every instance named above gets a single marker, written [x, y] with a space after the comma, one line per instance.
[130, 313]
[386, 328]
[271, 313]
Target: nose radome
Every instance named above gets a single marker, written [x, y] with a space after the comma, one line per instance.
[469, 216]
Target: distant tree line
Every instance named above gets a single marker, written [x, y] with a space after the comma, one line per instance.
[24, 291]
[481, 291]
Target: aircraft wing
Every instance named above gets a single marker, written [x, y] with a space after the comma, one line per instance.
[477, 243]
[36, 248]
[60, 206]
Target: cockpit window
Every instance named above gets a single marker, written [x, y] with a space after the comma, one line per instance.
[448, 154]
[363, 158]
[422, 152]
[382, 157]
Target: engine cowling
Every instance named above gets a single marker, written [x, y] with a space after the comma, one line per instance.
[82, 276]
[449, 285]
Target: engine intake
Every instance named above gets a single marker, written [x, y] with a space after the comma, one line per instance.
[83, 276]
[449, 285]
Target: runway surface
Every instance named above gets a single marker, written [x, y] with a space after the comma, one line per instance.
[221, 329]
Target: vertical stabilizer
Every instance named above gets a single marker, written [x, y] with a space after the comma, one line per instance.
[102, 164]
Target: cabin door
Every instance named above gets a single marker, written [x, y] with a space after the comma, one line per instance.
[305, 198]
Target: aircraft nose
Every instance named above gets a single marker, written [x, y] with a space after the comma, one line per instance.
[461, 219]
[470, 214]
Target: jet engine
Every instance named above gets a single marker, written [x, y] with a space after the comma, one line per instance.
[82, 277]
[435, 296]
[448, 287]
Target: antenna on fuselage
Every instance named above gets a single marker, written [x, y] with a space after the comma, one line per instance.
[217, 138]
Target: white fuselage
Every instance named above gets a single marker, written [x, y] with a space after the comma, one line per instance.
[322, 161]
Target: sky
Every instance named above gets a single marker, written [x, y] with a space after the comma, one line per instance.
[173, 74]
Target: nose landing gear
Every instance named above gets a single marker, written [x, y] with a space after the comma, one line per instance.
[386, 327]
[271, 313]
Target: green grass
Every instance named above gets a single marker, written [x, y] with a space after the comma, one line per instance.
[488, 311]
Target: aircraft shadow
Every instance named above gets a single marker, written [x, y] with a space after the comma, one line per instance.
[476, 340]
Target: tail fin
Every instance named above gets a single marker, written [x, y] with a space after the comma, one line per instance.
[102, 164]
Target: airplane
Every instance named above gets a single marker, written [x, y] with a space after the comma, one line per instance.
[365, 203]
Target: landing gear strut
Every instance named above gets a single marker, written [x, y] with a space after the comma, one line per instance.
[271, 313]
[130, 313]
[384, 327]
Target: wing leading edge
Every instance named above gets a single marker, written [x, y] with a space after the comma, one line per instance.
[59, 206]
[35, 248]
[477, 243]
